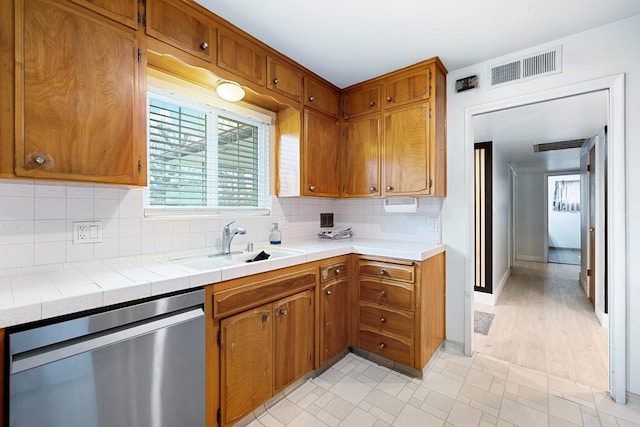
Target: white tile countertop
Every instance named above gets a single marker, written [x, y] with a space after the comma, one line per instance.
[82, 286]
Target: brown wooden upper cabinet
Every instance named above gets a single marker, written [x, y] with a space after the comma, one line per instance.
[320, 155]
[284, 79]
[122, 11]
[176, 23]
[320, 96]
[362, 157]
[241, 57]
[68, 126]
[406, 87]
[362, 100]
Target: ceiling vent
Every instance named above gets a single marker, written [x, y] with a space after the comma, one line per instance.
[560, 145]
[526, 68]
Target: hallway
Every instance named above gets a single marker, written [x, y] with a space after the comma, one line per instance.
[544, 321]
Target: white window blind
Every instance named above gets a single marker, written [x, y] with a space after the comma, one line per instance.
[205, 160]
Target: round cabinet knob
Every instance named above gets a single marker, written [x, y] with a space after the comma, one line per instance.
[389, 188]
[276, 81]
[328, 292]
[383, 293]
[266, 317]
[372, 103]
[204, 45]
[311, 99]
[373, 189]
[383, 271]
[39, 160]
[382, 345]
[337, 271]
[383, 320]
[312, 187]
[283, 311]
[389, 99]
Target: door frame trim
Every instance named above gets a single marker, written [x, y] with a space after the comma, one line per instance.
[616, 220]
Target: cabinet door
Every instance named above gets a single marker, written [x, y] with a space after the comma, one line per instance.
[241, 57]
[362, 157]
[321, 172]
[406, 151]
[407, 87]
[321, 97]
[334, 315]
[246, 361]
[80, 100]
[175, 23]
[293, 338]
[361, 101]
[284, 79]
[123, 11]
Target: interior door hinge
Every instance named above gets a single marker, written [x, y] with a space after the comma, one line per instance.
[430, 90]
[588, 168]
[139, 55]
[430, 112]
[219, 338]
[430, 183]
[139, 161]
[588, 272]
[219, 416]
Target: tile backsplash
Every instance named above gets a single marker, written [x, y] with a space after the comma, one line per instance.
[36, 223]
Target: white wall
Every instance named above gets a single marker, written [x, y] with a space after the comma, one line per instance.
[501, 221]
[530, 212]
[36, 221]
[564, 227]
[597, 53]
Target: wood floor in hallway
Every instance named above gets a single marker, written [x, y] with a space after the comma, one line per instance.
[544, 321]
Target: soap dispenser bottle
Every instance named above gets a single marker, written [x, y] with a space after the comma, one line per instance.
[275, 236]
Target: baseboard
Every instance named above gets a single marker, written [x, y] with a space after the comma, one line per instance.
[454, 346]
[633, 401]
[530, 258]
[492, 298]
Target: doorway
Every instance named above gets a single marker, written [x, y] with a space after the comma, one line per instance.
[563, 219]
[616, 230]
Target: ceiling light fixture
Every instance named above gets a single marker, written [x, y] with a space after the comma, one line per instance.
[229, 91]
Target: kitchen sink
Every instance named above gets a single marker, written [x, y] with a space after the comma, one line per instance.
[215, 261]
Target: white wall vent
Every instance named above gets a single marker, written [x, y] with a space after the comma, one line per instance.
[528, 67]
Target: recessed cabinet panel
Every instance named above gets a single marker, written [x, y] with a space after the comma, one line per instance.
[321, 173]
[362, 101]
[362, 157]
[175, 23]
[284, 79]
[334, 330]
[406, 88]
[246, 362]
[123, 11]
[241, 57]
[80, 102]
[320, 97]
[406, 151]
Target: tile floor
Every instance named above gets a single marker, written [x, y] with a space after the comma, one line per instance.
[456, 391]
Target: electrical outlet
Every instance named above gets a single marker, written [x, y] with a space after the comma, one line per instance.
[87, 232]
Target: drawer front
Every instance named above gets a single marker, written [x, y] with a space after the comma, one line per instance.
[239, 299]
[384, 292]
[391, 348]
[397, 322]
[385, 270]
[333, 271]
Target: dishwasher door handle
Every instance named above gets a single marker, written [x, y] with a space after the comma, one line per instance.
[42, 356]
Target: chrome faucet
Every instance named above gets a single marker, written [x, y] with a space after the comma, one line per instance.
[227, 237]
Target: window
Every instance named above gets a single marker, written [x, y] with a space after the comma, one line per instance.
[205, 160]
[566, 196]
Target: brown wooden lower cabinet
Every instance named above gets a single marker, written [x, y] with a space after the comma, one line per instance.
[334, 317]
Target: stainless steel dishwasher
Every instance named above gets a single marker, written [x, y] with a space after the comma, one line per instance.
[141, 365]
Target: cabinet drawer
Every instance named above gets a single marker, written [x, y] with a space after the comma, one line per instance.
[384, 270]
[234, 300]
[397, 322]
[320, 97]
[405, 88]
[284, 79]
[361, 101]
[333, 271]
[392, 348]
[389, 293]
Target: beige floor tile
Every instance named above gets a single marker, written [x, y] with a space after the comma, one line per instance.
[351, 390]
[479, 379]
[476, 394]
[564, 409]
[307, 420]
[438, 413]
[533, 398]
[392, 384]
[285, 411]
[522, 416]
[359, 418]
[383, 415]
[327, 418]
[464, 416]
[559, 422]
[528, 377]
[607, 406]
[385, 402]
[266, 420]
[442, 384]
[339, 408]
[411, 416]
